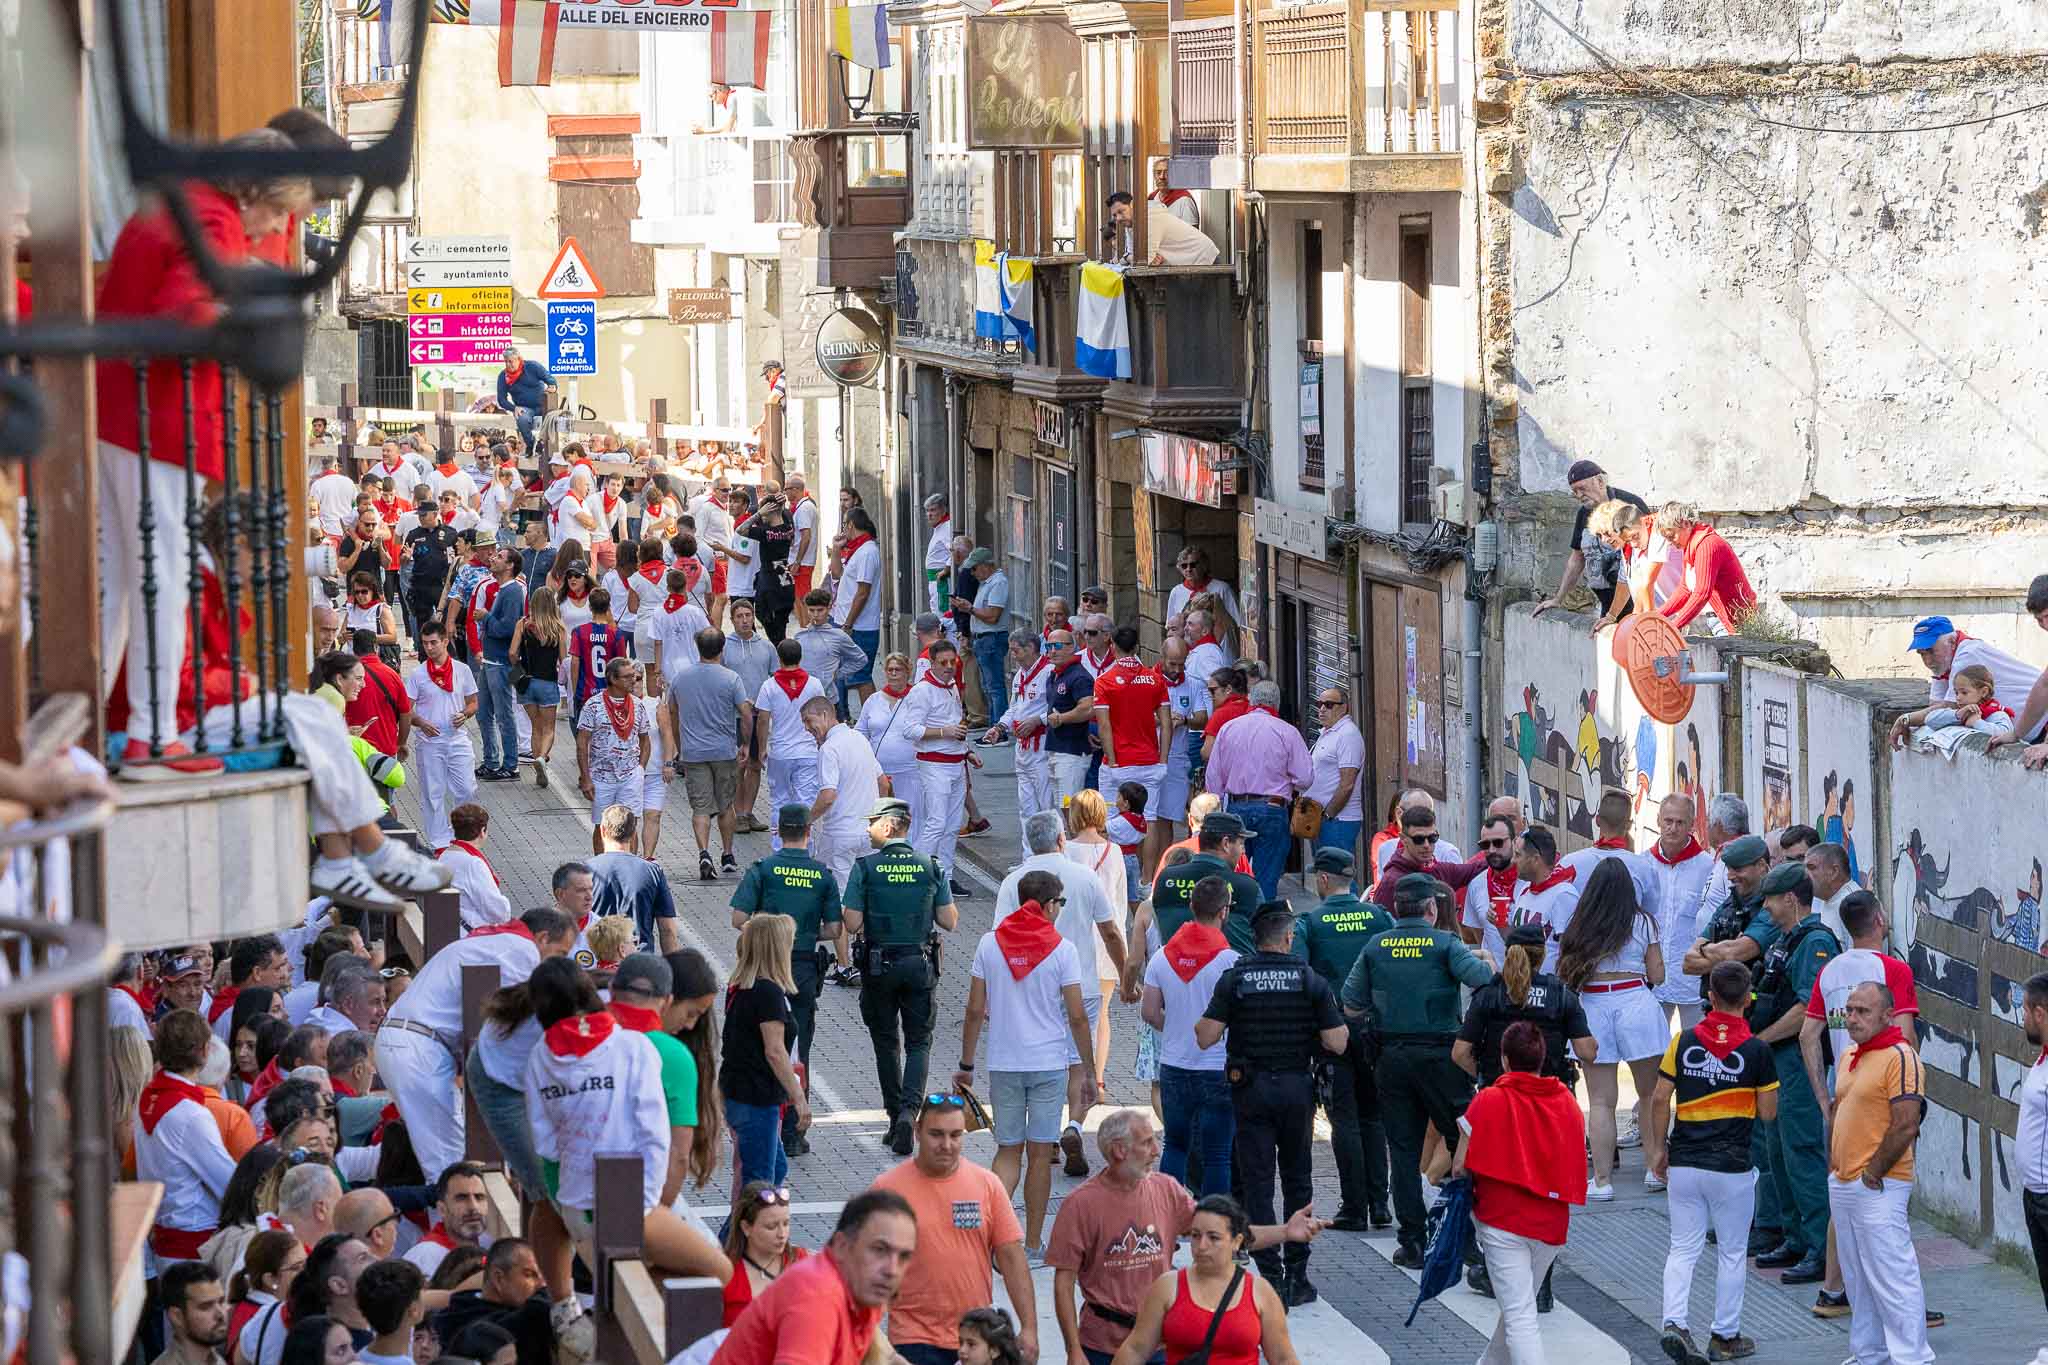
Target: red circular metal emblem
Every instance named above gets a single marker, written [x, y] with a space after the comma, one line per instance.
[1639, 641]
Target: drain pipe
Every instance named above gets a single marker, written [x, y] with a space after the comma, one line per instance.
[1480, 562]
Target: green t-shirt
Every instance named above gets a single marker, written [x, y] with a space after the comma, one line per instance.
[678, 1079]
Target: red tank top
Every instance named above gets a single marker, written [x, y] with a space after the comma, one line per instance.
[1187, 1323]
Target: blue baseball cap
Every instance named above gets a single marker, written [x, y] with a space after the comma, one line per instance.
[1929, 629]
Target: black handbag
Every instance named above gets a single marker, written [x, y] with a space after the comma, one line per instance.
[1200, 1356]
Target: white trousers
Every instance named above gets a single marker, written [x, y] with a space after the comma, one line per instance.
[126, 479]
[1069, 774]
[1874, 1242]
[446, 767]
[1724, 1201]
[906, 786]
[838, 851]
[1682, 1015]
[791, 781]
[523, 724]
[1034, 790]
[944, 800]
[1516, 1265]
[1150, 776]
[420, 1074]
[343, 797]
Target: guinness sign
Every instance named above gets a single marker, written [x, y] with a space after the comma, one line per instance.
[849, 347]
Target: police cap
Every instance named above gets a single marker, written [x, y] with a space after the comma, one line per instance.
[1416, 888]
[889, 808]
[1270, 911]
[1338, 862]
[1786, 877]
[1744, 851]
[1225, 825]
[794, 818]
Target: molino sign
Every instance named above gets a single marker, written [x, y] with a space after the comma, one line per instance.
[849, 347]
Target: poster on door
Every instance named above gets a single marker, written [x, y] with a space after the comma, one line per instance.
[1410, 684]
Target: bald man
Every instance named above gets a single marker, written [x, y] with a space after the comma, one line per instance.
[367, 1214]
[1446, 851]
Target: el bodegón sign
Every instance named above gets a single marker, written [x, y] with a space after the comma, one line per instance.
[1024, 84]
[849, 347]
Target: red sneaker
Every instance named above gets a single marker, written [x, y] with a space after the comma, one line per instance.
[177, 761]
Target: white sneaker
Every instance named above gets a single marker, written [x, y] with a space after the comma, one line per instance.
[1627, 1134]
[1599, 1194]
[400, 870]
[575, 1333]
[1651, 1182]
[347, 882]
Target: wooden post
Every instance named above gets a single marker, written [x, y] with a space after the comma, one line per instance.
[441, 920]
[479, 980]
[771, 441]
[444, 429]
[345, 438]
[657, 418]
[691, 1311]
[617, 1218]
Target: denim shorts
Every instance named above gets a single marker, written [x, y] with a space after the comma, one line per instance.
[541, 692]
[504, 1113]
[1028, 1105]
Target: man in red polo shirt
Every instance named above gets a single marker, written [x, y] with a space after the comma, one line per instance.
[1134, 720]
[824, 1309]
[382, 708]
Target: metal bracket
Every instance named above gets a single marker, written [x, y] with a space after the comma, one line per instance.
[1681, 664]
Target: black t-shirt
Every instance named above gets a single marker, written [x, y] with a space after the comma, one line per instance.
[1063, 692]
[744, 1074]
[1715, 1099]
[772, 581]
[432, 547]
[1603, 566]
[1551, 1006]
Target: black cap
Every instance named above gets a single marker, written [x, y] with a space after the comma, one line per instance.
[794, 818]
[1223, 824]
[1583, 469]
[1528, 935]
[1338, 862]
[644, 974]
[1269, 911]
[1417, 888]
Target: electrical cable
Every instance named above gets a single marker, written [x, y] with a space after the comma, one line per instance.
[1630, 73]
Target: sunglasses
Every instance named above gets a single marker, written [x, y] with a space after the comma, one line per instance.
[1422, 838]
[948, 1101]
[1495, 843]
[1325, 701]
[390, 973]
[775, 1196]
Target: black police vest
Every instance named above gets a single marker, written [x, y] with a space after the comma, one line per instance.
[1544, 1008]
[1727, 925]
[1272, 1016]
[1775, 990]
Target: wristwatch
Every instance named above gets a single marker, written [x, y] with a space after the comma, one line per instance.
[967, 1066]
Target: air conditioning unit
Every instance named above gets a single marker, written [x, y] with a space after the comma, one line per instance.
[1452, 504]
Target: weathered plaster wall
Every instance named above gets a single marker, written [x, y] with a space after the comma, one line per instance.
[1681, 33]
[1773, 746]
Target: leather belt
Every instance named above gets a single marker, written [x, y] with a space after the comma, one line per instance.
[408, 1026]
[1259, 796]
[1633, 983]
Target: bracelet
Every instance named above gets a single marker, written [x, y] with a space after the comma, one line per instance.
[967, 1066]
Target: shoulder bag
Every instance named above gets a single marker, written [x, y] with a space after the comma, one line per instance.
[1200, 1356]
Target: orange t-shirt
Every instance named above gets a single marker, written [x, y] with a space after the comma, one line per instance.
[961, 1220]
[1864, 1097]
[806, 1317]
[237, 1129]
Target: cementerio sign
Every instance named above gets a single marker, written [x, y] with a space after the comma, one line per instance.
[1024, 84]
[849, 348]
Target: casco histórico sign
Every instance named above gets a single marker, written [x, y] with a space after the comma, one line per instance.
[849, 347]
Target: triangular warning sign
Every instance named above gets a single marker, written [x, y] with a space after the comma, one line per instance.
[570, 277]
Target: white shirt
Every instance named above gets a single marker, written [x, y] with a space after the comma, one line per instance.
[713, 521]
[938, 549]
[805, 518]
[429, 1255]
[498, 505]
[894, 749]
[622, 616]
[1677, 895]
[123, 1012]
[1202, 660]
[848, 768]
[1549, 903]
[739, 578]
[482, 901]
[567, 527]
[787, 738]
[1830, 911]
[409, 473]
[1584, 860]
[1662, 565]
[1843, 973]
[436, 706]
[2030, 1144]
[185, 1153]
[1339, 746]
[464, 486]
[1085, 908]
[300, 1000]
[676, 633]
[1027, 1019]
[434, 999]
[331, 1021]
[930, 706]
[2011, 678]
[1476, 902]
[335, 494]
[1185, 1002]
[1027, 702]
[862, 566]
[607, 1100]
[1105, 863]
[503, 1056]
[1180, 594]
[266, 1327]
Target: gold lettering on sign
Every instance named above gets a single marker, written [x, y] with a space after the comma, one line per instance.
[1026, 82]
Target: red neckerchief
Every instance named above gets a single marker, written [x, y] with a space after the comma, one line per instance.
[1097, 664]
[652, 571]
[447, 469]
[855, 542]
[1878, 1043]
[391, 470]
[508, 927]
[164, 1093]
[266, 1081]
[1500, 896]
[933, 679]
[388, 509]
[791, 681]
[1721, 1033]
[1171, 197]
[513, 371]
[1026, 938]
[1943, 676]
[1194, 589]
[622, 719]
[673, 603]
[579, 1034]
[222, 1003]
[637, 1017]
[1692, 849]
[1192, 947]
[438, 1237]
[1038, 665]
[1137, 819]
[144, 1005]
[1616, 841]
[1991, 706]
[1267, 709]
[343, 1088]
[1558, 877]
[897, 692]
[1205, 640]
[611, 502]
[477, 559]
[473, 851]
[577, 597]
[442, 675]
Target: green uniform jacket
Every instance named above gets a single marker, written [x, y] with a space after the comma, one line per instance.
[896, 890]
[1330, 936]
[791, 883]
[1176, 884]
[1802, 969]
[1408, 976]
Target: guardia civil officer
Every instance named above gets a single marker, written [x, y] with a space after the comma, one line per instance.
[791, 882]
[1280, 1016]
[1405, 985]
[894, 898]
[1329, 937]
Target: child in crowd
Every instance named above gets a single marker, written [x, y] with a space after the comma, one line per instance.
[611, 939]
[987, 1337]
[1972, 706]
[1127, 831]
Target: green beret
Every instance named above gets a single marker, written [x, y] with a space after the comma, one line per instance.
[1785, 877]
[1416, 888]
[1744, 851]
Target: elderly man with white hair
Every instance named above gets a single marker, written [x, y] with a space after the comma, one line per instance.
[577, 515]
[1257, 765]
[355, 1000]
[1095, 629]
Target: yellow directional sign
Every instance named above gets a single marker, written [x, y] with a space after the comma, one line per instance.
[485, 299]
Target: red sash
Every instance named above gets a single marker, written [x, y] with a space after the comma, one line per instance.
[1027, 938]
